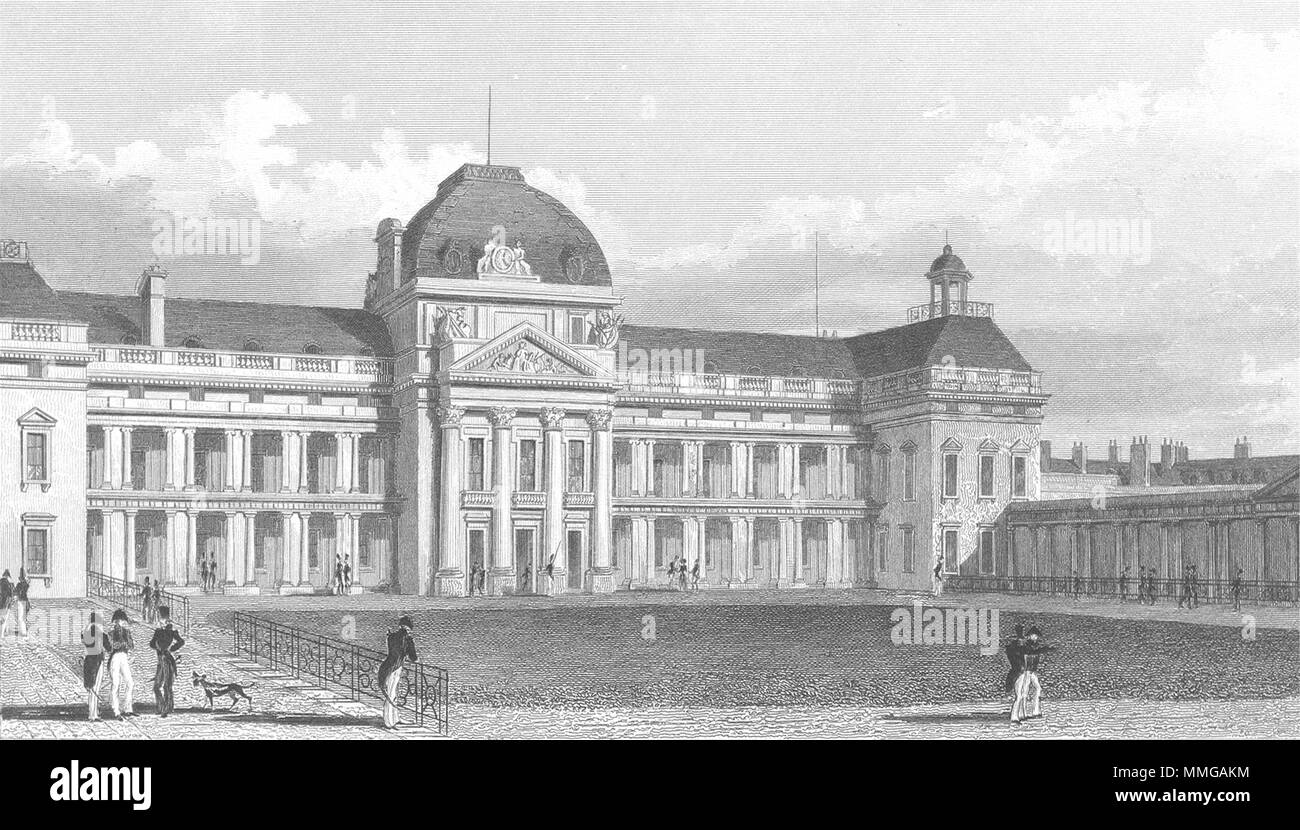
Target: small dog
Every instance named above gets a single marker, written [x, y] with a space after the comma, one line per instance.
[234, 691]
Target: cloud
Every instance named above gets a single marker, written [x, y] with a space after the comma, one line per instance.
[945, 110]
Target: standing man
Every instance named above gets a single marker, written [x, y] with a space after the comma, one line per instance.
[22, 605]
[338, 575]
[6, 600]
[1123, 584]
[347, 573]
[672, 574]
[550, 574]
[695, 575]
[95, 639]
[1015, 659]
[528, 579]
[212, 571]
[401, 647]
[1236, 591]
[146, 601]
[938, 576]
[203, 574]
[1028, 687]
[120, 645]
[166, 642]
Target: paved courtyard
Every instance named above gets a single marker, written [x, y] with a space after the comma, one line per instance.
[796, 665]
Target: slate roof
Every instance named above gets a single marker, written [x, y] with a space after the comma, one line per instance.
[749, 353]
[968, 341]
[445, 237]
[219, 324]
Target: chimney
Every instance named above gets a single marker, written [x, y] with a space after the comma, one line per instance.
[1242, 448]
[1139, 466]
[1181, 454]
[1167, 459]
[152, 289]
[1112, 452]
[1044, 457]
[1079, 455]
[388, 270]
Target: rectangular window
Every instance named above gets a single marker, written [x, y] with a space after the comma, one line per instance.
[577, 467]
[882, 477]
[37, 461]
[950, 475]
[909, 476]
[882, 549]
[313, 549]
[577, 329]
[950, 551]
[37, 551]
[986, 476]
[1018, 476]
[986, 551]
[363, 547]
[528, 466]
[475, 480]
[909, 550]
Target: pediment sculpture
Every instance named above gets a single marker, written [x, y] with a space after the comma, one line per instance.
[500, 258]
[528, 359]
[606, 329]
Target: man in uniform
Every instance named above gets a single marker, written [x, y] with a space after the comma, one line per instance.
[95, 639]
[165, 643]
[120, 645]
[1028, 688]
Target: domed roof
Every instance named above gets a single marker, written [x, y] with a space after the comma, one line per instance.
[445, 239]
[948, 261]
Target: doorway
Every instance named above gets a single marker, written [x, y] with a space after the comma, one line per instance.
[574, 561]
[526, 560]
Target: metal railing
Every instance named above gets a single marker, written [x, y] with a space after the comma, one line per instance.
[125, 594]
[1253, 592]
[342, 665]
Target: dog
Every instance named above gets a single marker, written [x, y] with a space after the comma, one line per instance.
[234, 691]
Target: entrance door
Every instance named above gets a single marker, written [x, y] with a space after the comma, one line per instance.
[526, 561]
[574, 560]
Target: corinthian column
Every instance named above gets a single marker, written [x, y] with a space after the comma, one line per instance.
[553, 431]
[501, 576]
[600, 580]
[449, 581]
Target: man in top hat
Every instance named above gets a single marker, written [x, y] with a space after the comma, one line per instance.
[401, 647]
[166, 642]
[1028, 688]
[95, 639]
[21, 604]
[120, 646]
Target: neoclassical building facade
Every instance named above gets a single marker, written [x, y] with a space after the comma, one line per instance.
[488, 410]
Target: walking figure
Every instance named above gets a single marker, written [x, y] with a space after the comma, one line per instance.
[6, 602]
[672, 574]
[203, 574]
[347, 573]
[122, 685]
[212, 572]
[938, 576]
[146, 601]
[550, 574]
[1188, 594]
[681, 574]
[1236, 591]
[528, 578]
[695, 576]
[21, 604]
[1015, 660]
[165, 643]
[95, 639]
[1028, 686]
[401, 647]
[338, 574]
[1123, 584]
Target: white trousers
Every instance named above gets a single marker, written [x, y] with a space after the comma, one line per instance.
[123, 686]
[390, 694]
[1028, 690]
[19, 611]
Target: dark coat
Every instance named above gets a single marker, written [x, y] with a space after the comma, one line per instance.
[400, 647]
[6, 592]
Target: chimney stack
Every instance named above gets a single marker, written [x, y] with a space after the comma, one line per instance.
[152, 289]
[388, 270]
[1079, 455]
[1112, 452]
[1139, 463]
[1242, 448]
[1167, 455]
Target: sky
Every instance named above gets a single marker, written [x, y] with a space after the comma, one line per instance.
[1121, 179]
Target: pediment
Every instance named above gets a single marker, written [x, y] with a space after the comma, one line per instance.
[36, 418]
[526, 350]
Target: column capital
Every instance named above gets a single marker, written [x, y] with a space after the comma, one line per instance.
[599, 419]
[501, 417]
[552, 417]
[450, 416]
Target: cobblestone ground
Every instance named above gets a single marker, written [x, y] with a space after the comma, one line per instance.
[42, 697]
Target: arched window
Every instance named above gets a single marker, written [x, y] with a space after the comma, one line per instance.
[311, 348]
[193, 342]
[252, 346]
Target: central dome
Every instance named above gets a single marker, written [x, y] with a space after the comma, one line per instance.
[481, 203]
[948, 261]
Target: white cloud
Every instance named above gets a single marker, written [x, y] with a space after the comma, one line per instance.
[945, 110]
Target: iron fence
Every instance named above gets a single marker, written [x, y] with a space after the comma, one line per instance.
[338, 664]
[125, 594]
[1258, 592]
